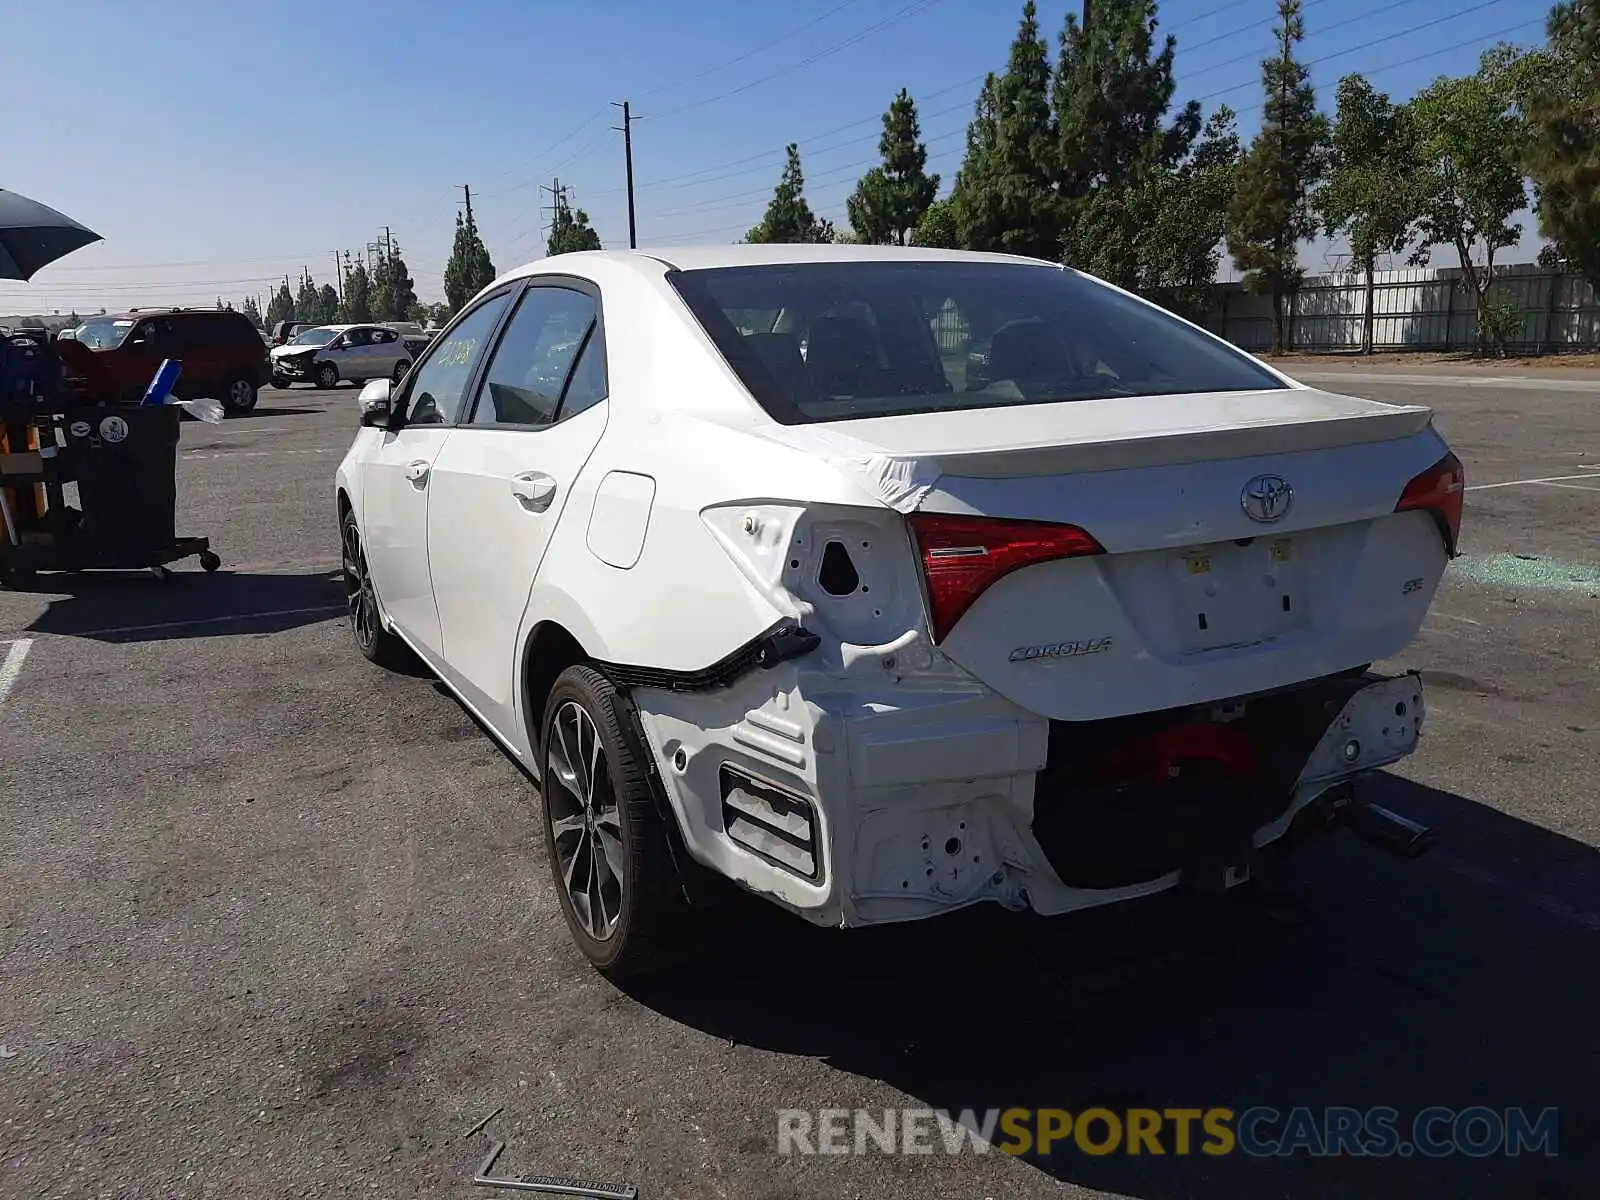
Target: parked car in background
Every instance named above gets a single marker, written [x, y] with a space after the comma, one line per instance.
[330, 354]
[869, 638]
[221, 352]
[284, 332]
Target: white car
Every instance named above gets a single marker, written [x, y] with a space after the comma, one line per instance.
[325, 355]
[727, 548]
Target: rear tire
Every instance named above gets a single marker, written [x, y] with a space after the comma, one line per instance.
[239, 394]
[613, 870]
[375, 642]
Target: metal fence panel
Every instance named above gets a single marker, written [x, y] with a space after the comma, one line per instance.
[1417, 308]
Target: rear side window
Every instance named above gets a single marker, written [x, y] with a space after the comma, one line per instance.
[836, 341]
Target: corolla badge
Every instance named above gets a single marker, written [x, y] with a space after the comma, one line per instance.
[1267, 498]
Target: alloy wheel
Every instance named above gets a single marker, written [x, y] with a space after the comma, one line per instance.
[359, 596]
[585, 824]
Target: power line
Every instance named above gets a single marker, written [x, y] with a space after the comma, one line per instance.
[915, 9]
[1367, 45]
[749, 54]
[701, 175]
[1481, 39]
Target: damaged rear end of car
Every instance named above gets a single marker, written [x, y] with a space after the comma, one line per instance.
[1081, 639]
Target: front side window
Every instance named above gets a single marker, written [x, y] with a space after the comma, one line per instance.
[439, 384]
[532, 366]
[873, 339]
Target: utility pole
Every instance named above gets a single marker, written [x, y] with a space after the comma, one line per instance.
[558, 200]
[388, 241]
[338, 276]
[1088, 8]
[626, 129]
[466, 190]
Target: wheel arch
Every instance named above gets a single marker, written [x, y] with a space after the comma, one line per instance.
[550, 649]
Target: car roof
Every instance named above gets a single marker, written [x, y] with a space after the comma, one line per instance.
[701, 258]
[141, 313]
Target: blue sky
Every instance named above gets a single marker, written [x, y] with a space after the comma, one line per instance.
[218, 144]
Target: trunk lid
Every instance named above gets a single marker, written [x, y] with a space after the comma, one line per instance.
[1248, 541]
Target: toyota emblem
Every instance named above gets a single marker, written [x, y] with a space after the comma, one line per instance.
[1267, 498]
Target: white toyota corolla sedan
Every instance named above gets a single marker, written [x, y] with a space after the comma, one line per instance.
[884, 582]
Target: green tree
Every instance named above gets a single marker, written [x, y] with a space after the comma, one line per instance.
[1132, 206]
[281, 306]
[1112, 97]
[1159, 233]
[393, 292]
[330, 304]
[938, 227]
[570, 230]
[308, 302]
[1562, 155]
[788, 217]
[252, 310]
[357, 306]
[1370, 195]
[1271, 214]
[1005, 192]
[1470, 181]
[890, 200]
[468, 270]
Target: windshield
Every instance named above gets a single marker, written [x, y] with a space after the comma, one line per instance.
[837, 341]
[106, 334]
[315, 337]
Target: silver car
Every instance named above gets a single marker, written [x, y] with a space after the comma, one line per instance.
[330, 353]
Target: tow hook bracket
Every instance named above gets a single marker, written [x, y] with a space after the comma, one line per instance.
[1387, 830]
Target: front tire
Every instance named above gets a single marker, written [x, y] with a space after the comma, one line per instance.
[282, 384]
[327, 377]
[375, 642]
[608, 854]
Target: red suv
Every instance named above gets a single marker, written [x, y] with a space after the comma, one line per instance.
[223, 356]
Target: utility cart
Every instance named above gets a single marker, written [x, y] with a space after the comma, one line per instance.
[122, 458]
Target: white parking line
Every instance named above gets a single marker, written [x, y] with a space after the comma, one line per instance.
[1479, 487]
[1575, 487]
[12, 666]
[320, 610]
[200, 452]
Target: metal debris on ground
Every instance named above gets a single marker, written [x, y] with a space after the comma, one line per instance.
[549, 1185]
[484, 1123]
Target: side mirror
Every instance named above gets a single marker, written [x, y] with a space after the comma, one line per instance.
[376, 404]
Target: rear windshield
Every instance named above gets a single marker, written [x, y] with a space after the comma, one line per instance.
[836, 341]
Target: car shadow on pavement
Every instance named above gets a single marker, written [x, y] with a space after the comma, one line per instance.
[263, 410]
[135, 606]
[1467, 977]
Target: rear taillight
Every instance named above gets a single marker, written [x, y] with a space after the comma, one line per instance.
[962, 556]
[1439, 490]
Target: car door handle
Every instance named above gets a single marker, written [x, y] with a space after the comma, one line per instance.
[417, 471]
[534, 490]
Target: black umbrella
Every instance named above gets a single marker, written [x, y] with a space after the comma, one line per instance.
[33, 236]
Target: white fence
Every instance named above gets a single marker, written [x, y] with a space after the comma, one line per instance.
[1424, 308]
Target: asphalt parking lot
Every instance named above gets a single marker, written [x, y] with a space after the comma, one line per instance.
[276, 923]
